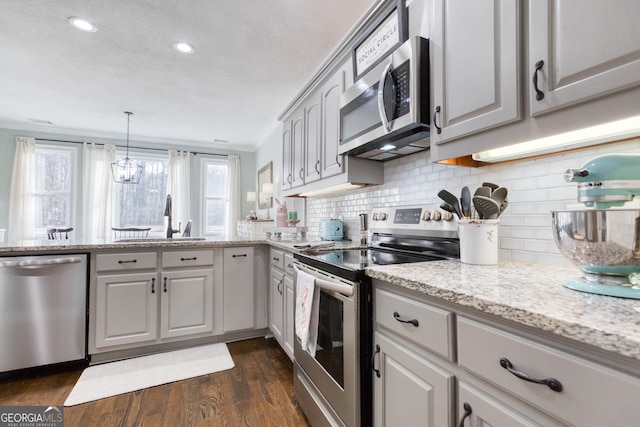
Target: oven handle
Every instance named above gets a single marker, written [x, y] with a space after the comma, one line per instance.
[338, 287]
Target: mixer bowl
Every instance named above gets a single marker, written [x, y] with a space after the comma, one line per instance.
[599, 241]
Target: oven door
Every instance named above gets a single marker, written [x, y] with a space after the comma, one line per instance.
[334, 370]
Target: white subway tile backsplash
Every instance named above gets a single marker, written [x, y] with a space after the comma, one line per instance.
[536, 187]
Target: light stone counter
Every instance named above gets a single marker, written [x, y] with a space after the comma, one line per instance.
[41, 247]
[528, 294]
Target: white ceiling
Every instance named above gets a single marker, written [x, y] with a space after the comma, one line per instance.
[252, 57]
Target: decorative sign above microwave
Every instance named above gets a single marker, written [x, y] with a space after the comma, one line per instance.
[385, 35]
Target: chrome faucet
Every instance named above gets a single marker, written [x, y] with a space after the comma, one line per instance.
[167, 212]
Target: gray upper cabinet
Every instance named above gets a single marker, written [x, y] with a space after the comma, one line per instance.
[582, 50]
[312, 140]
[475, 67]
[297, 147]
[287, 160]
[332, 162]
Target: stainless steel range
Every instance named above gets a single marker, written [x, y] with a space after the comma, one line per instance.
[334, 386]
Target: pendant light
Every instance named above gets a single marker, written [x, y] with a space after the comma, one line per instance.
[126, 171]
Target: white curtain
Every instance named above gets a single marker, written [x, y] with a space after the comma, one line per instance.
[233, 196]
[97, 184]
[179, 186]
[21, 201]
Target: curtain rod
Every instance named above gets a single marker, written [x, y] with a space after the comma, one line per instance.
[123, 146]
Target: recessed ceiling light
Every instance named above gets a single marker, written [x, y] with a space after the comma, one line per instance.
[82, 24]
[184, 47]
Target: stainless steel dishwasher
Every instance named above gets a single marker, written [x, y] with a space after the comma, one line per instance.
[43, 306]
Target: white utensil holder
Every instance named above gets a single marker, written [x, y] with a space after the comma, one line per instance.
[478, 241]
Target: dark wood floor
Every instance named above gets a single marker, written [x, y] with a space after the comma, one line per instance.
[258, 391]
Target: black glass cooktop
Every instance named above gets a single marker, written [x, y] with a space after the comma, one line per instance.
[356, 260]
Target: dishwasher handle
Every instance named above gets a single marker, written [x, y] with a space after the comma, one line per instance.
[38, 263]
[338, 287]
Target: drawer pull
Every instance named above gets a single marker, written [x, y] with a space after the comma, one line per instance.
[399, 318]
[467, 413]
[539, 93]
[276, 259]
[153, 285]
[189, 259]
[239, 256]
[373, 361]
[289, 265]
[128, 262]
[552, 383]
[165, 284]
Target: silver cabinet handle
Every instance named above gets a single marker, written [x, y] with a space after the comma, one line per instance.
[338, 160]
[383, 114]
[301, 173]
[318, 166]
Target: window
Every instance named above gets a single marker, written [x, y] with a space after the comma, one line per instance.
[142, 204]
[215, 175]
[53, 188]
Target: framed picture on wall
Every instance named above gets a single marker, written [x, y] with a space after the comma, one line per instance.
[384, 35]
[265, 192]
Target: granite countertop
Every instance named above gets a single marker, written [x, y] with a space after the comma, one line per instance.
[529, 294]
[51, 246]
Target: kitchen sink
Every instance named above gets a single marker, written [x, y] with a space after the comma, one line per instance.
[160, 239]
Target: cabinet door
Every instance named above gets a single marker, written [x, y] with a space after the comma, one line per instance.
[289, 310]
[476, 66]
[239, 295]
[276, 305]
[126, 309]
[297, 148]
[287, 156]
[478, 409]
[186, 303]
[589, 48]
[410, 391]
[332, 163]
[313, 113]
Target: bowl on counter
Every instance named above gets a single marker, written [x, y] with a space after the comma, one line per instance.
[603, 243]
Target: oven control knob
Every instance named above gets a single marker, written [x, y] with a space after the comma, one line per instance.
[383, 216]
[436, 215]
[426, 216]
[374, 216]
[447, 216]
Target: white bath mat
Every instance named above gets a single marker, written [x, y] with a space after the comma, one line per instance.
[110, 379]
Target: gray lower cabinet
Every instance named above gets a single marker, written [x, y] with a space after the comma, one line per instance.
[281, 299]
[440, 365]
[239, 289]
[144, 298]
[126, 310]
[410, 391]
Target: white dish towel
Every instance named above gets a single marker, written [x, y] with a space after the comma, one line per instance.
[306, 317]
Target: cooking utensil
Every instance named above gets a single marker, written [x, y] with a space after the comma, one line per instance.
[499, 195]
[483, 191]
[491, 185]
[452, 200]
[465, 202]
[485, 206]
[447, 207]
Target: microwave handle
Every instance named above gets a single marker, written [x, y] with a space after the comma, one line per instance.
[383, 115]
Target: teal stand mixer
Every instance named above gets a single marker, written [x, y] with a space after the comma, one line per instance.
[603, 239]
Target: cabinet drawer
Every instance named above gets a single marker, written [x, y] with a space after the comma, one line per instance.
[187, 258]
[126, 261]
[288, 264]
[591, 395]
[430, 327]
[277, 259]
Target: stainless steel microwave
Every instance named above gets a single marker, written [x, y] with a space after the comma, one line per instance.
[385, 114]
